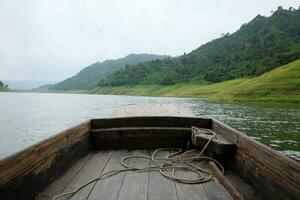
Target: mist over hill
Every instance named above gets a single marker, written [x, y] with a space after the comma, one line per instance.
[26, 84]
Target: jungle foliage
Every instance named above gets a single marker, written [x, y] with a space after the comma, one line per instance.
[259, 46]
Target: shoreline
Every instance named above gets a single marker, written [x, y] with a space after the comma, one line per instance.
[273, 103]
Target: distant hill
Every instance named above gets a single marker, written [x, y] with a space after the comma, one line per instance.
[43, 88]
[25, 84]
[90, 76]
[257, 47]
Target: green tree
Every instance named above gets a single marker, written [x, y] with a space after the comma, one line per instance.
[257, 47]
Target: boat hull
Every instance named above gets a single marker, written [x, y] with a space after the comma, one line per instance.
[23, 175]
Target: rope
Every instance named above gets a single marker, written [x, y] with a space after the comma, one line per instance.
[176, 161]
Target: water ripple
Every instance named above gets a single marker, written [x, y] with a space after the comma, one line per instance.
[28, 118]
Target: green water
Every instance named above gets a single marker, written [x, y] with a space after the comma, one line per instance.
[278, 127]
[27, 118]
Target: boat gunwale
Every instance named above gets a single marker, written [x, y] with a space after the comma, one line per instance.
[268, 160]
[275, 154]
[238, 135]
[265, 169]
[33, 148]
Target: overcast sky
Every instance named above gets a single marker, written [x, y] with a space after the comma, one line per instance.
[54, 39]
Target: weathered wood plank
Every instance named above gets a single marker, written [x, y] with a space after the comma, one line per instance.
[140, 137]
[21, 162]
[229, 133]
[262, 153]
[61, 183]
[184, 122]
[225, 182]
[161, 188]
[218, 144]
[191, 191]
[241, 186]
[109, 188]
[92, 169]
[136, 132]
[263, 178]
[214, 190]
[208, 190]
[135, 184]
[276, 176]
[35, 179]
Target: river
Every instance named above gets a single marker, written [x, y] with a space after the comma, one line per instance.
[27, 118]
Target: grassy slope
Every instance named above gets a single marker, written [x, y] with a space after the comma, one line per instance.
[279, 85]
[180, 90]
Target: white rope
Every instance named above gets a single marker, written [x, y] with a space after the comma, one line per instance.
[176, 161]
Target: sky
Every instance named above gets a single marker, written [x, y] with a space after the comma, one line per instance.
[54, 39]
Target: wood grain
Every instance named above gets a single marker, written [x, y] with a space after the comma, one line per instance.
[150, 121]
[135, 184]
[140, 137]
[161, 188]
[225, 182]
[109, 187]
[268, 171]
[61, 183]
[92, 169]
[22, 161]
[36, 167]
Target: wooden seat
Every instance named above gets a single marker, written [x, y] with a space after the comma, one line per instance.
[218, 144]
[140, 137]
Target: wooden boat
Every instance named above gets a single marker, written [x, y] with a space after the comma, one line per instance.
[74, 156]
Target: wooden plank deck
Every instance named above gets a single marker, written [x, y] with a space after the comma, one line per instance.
[130, 185]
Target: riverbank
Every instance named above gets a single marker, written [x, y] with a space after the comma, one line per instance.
[281, 85]
[209, 92]
[4, 89]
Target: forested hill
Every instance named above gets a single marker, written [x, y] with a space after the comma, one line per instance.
[257, 47]
[91, 75]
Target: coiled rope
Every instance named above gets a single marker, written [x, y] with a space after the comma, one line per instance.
[176, 161]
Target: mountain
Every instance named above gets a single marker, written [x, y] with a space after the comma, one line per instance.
[43, 88]
[257, 47]
[91, 75]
